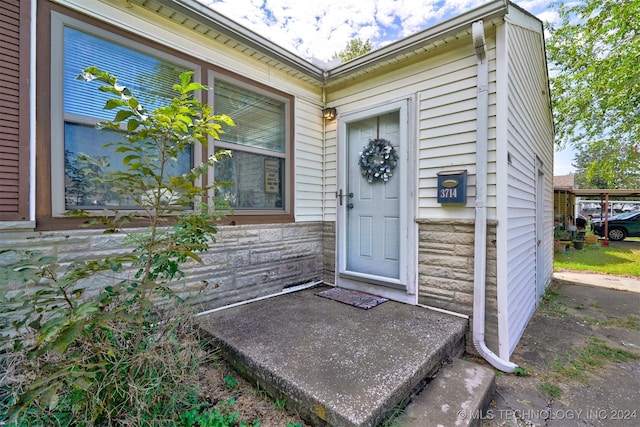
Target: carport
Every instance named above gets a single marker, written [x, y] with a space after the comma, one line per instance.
[606, 195]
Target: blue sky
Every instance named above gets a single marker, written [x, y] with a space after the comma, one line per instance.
[319, 29]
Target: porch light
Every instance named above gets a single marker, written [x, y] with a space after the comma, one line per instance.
[329, 113]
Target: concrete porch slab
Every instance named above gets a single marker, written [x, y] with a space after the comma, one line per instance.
[336, 364]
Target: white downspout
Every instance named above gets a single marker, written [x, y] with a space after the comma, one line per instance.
[480, 248]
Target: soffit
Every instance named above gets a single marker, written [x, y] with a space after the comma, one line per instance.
[196, 17]
[413, 47]
[204, 20]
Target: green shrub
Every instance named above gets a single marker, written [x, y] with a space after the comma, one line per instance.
[127, 353]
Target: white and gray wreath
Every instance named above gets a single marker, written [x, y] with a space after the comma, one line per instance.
[377, 160]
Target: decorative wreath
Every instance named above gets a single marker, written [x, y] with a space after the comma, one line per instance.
[378, 160]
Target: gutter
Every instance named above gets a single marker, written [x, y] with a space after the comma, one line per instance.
[480, 241]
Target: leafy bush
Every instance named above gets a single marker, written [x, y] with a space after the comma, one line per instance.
[125, 354]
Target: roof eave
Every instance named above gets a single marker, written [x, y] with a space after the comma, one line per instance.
[453, 26]
[199, 12]
[242, 34]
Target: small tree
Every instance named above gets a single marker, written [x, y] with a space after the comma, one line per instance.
[353, 49]
[595, 84]
[74, 356]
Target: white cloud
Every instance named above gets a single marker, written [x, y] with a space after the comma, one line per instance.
[320, 29]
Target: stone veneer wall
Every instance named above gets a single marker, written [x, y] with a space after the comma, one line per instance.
[329, 252]
[445, 271]
[248, 261]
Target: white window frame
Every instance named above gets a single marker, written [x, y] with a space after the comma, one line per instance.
[215, 144]
[58, 22]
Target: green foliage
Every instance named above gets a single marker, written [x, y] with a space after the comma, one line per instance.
[280, 403]
[126, 353]
[219, 416]
[230, 382]
[552, 390]
[353, 49]
[551, 302]
[522, 372]
[613, 259]
[594, 355]
[628, 322]
[595, 84]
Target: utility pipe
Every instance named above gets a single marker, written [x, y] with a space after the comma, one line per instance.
[480, 248]
[282, 292]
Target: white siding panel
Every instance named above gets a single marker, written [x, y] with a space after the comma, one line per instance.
[447, 135]
[530, 136]
[330, 172]
[309, 182]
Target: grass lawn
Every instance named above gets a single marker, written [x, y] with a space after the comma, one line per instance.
[619, 258]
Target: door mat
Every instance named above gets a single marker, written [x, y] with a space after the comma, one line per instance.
[354, 298]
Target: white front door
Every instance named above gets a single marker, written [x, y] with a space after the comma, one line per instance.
[373, 245]
[373, 210]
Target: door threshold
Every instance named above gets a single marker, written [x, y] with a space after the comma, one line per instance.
[398, 293]
[373, 280]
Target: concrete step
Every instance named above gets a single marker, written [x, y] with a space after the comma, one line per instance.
[456, 397]
[336, 365]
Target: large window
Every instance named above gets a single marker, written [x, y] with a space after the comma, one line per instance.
[78, 146]
[258, 171]
[258, 145]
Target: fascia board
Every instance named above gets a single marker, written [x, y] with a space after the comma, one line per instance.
[201, 13]
[451, 27]
[242, 34]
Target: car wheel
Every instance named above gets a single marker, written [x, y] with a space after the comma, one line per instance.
[617, 234]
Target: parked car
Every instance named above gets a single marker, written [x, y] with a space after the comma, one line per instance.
[595, 213]
[620, 226]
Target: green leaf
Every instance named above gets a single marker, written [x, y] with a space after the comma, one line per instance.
[129, 158]
[185, 78]
[123, 115]
[80, 382]
[51, 328]
[132, 125]
[67, 336]
[114, 103]
[191, 87]
[49, 397]
[86, 309]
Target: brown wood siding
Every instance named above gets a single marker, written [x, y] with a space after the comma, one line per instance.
[14, 110]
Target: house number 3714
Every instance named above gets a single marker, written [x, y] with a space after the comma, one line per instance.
[448, 193]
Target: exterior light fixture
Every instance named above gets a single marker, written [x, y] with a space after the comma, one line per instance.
[329, 113]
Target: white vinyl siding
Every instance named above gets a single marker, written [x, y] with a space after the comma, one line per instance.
[447, 132]
[330, 172]
[530, 136]
[445, 84]
[308, 162]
